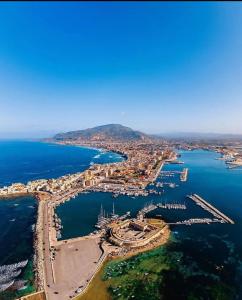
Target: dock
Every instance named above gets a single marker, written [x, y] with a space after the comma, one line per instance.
[184, 173]
[197, 221]
[172, 206]
[147, 208]
[210, 208]
[157, 172]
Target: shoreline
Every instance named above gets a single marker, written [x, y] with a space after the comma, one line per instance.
[160, 242]
[45, 232]
[16, 195]
[99, 149]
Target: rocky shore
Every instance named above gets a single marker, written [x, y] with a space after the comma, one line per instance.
[38, 251]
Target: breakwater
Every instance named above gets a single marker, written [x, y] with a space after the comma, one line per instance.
[210, 208]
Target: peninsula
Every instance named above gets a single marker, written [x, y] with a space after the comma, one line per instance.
[56, 261]
[65, 268]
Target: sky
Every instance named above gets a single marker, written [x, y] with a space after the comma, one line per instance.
[153, 66]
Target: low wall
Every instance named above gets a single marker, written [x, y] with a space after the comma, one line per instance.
[35, 296]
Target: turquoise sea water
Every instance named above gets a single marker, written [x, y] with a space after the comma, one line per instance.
[206, 248]
[21, 161]
[213, 250]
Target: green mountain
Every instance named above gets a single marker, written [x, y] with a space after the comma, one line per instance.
[114, 132]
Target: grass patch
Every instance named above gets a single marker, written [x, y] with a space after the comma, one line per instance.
[98, 289]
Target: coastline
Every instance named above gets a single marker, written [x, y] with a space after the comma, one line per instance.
[15, 195]
[45, 231]
[38, 236]
[38, 257]
[97, 276]
[99, 149]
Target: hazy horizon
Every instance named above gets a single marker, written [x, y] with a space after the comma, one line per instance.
[51, 133]
[157, 67]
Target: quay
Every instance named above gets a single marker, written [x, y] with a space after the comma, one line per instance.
[196, 221]
[171, 206]
[78, 259]
[184, 173]
[118, 189]
[158, 171]
[210, 208]
[176, 162]
[150, 207]
[147, 208]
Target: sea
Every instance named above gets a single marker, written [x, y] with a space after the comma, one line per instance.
[205, 247]
[22, 161]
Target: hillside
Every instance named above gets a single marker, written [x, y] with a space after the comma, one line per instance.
[114, 132]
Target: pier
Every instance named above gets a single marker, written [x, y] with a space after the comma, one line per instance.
[150, 207]
[197, 221]
[158, 172]
[169, 173]
[184, 173]
[172, 206]
[210, 208]
[147, 208]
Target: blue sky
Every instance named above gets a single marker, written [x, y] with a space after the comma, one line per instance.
[153, 66]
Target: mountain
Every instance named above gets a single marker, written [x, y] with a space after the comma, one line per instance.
[114, 132]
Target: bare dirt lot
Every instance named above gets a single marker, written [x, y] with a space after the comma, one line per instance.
[75, 262]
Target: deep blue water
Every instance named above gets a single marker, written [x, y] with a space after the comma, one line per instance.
[21, 161]
[205, 245]
[16, 219]
[219, 244]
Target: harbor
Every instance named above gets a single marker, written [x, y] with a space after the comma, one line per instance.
[115, 206]
[104, 219]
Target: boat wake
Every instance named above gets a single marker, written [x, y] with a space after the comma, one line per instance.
[8, 274]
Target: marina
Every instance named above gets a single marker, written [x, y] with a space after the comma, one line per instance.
[123, 207]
